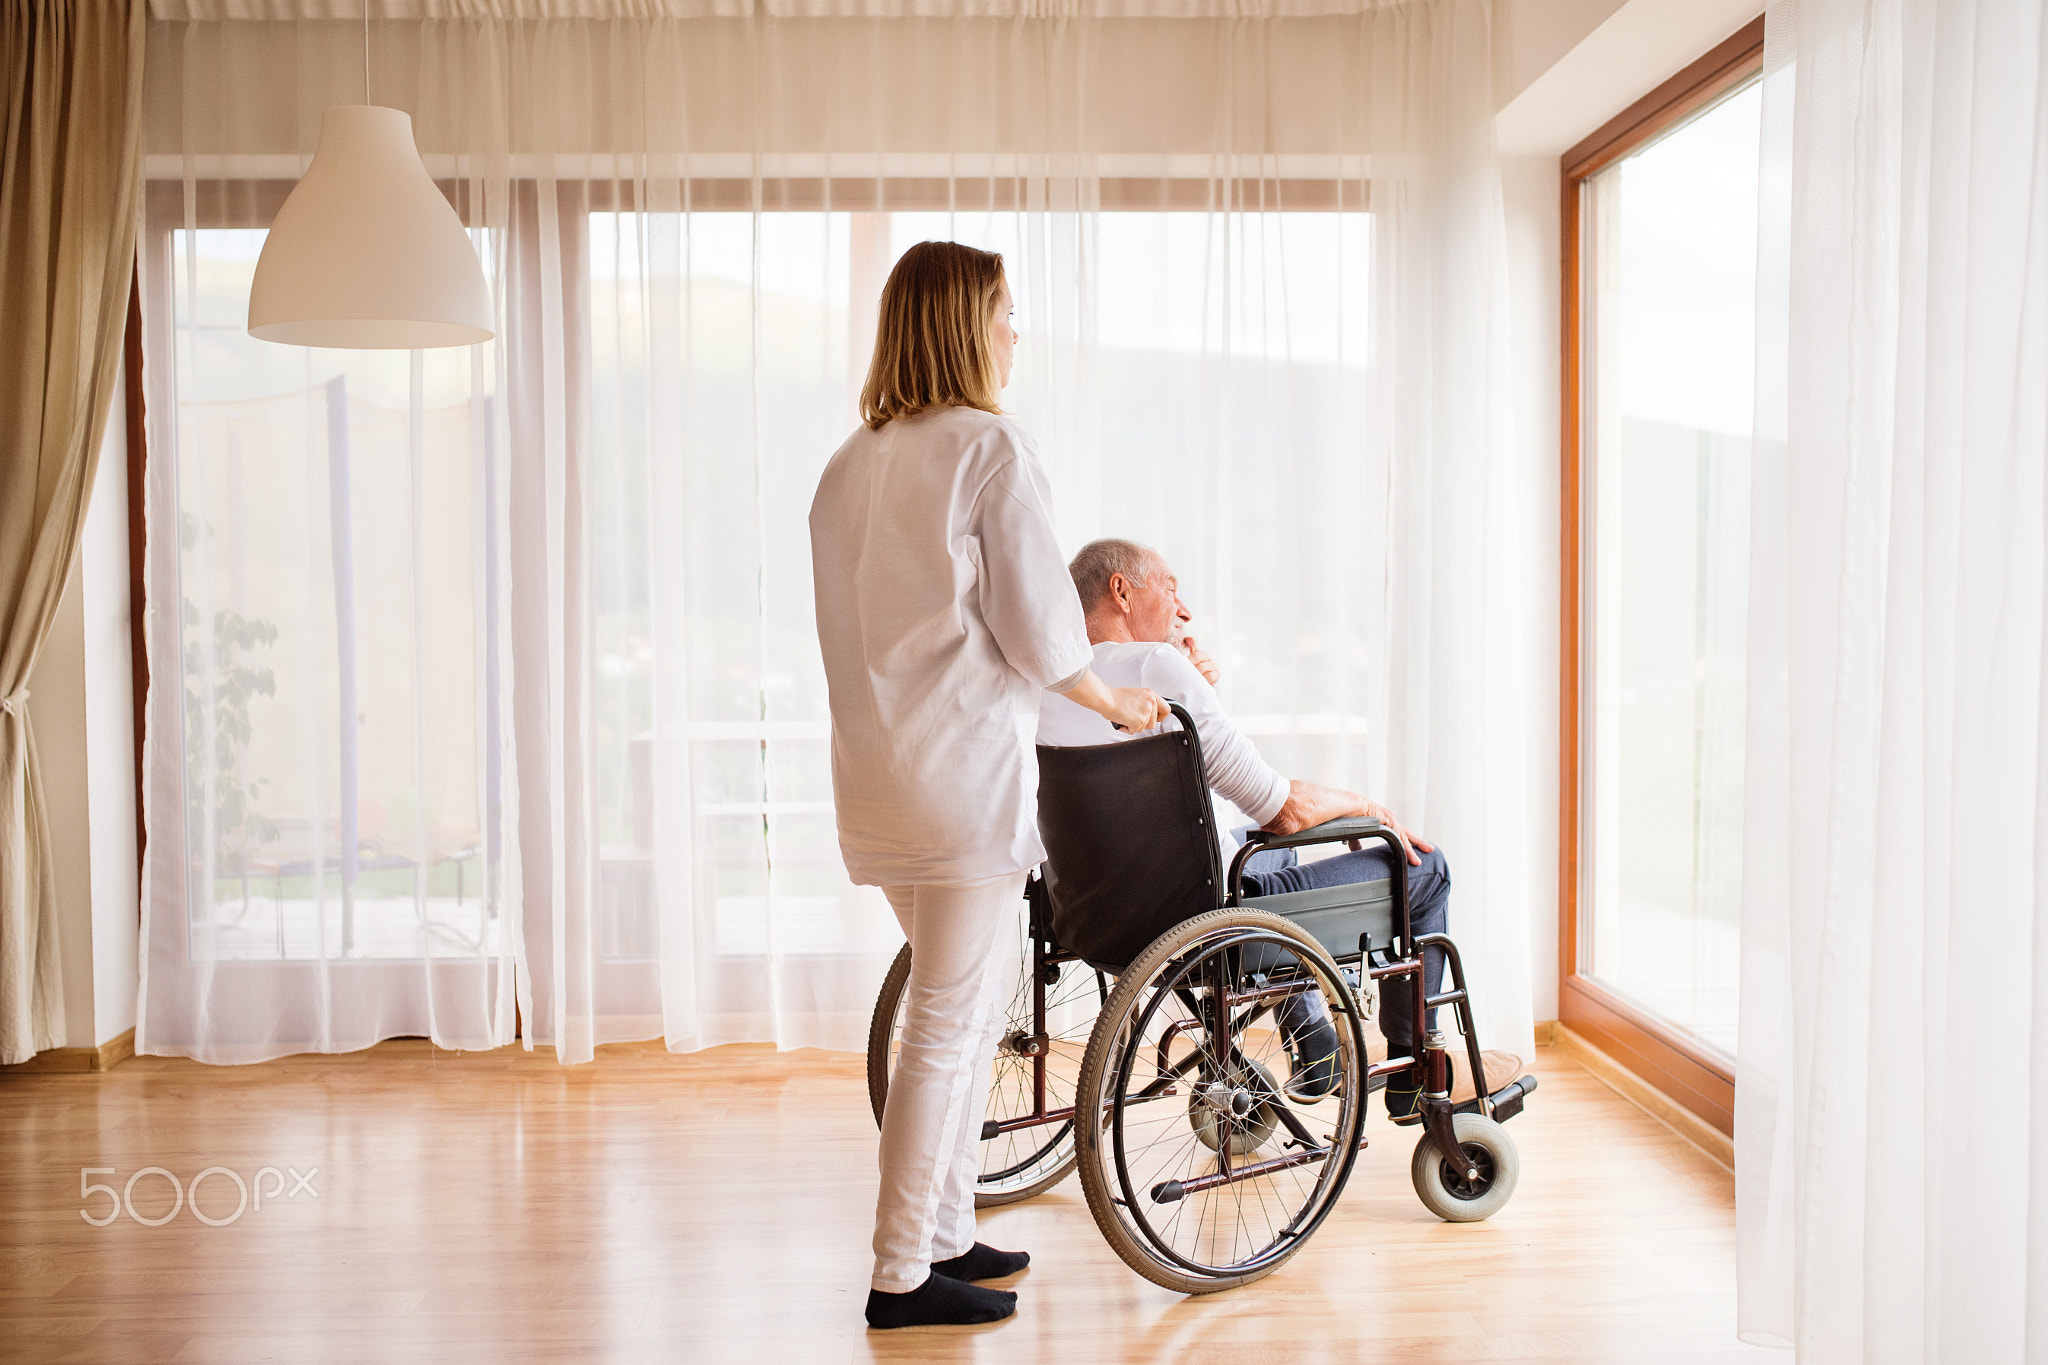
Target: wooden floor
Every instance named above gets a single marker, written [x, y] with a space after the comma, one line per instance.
[715, 1207]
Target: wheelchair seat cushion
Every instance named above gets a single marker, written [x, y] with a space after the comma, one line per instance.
[1335, 916]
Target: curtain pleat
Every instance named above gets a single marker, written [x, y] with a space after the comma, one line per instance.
[1895, 971]
[69, 159]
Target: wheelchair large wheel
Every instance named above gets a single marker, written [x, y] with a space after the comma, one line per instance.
[1197, 1041]
[1018, 1162]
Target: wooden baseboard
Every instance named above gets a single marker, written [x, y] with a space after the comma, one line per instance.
[78, 1060]
[1546, 1032]
[1643, 1095]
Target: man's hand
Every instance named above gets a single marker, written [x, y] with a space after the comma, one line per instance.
[1410, 840]
[1204, 665]
[1309, 804]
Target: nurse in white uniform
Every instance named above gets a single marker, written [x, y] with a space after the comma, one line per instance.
[944, 611]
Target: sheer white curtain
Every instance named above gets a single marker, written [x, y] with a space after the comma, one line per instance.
[500, 685]
[1892, 1089]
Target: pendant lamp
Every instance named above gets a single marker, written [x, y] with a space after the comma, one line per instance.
[366, 253]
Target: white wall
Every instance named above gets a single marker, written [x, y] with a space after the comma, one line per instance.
[1529, 186]
[110, 738]
[1568, 89]
[1531, 36]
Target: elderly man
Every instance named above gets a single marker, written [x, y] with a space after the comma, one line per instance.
[1135, 624]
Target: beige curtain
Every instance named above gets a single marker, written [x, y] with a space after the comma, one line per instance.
[68, 172]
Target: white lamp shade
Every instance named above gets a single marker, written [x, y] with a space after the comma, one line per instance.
[366, 253]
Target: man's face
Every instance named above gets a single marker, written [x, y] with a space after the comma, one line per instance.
[1156, 611]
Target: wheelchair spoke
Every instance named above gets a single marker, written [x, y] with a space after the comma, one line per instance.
[1228, 1174]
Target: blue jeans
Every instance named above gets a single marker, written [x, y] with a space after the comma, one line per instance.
[1429, 902]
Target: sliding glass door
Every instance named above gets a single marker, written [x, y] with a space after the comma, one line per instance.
[1663, 230]
[1671, 238]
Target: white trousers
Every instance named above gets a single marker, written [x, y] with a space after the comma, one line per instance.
[938, 1091]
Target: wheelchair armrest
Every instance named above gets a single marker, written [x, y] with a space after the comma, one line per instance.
[1328, 832]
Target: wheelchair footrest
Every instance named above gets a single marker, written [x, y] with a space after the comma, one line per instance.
[1507, 1101]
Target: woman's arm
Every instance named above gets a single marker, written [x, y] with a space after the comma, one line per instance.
[1127, 708]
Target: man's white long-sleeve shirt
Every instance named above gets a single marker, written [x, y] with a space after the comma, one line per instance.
[1236, 771]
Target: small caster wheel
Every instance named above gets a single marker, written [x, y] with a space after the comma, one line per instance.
[1448, 1191]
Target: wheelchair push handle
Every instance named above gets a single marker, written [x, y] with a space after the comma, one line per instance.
[1194, 739]
[1180, 713]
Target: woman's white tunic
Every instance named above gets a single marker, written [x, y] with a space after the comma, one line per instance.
[944, 610]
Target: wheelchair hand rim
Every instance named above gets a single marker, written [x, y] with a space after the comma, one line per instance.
[1334, 1174]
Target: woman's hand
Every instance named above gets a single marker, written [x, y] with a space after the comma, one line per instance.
[1135, 708]
[1204, 665]
[1127, 708]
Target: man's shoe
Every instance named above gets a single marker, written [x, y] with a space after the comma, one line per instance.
[1404, 1095]
[1405, 1106]
[1312, 1052]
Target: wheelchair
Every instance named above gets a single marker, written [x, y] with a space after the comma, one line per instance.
[1155, 1036]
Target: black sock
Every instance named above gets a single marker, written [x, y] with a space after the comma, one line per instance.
[982, 1262]
[1404, 1089]
[940, 1301]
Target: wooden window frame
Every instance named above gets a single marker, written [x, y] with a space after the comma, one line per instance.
[1693, 1075]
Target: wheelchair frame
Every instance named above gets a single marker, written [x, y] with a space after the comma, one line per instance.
[1376, 964]
[1038, 1044]
[1229, 1004]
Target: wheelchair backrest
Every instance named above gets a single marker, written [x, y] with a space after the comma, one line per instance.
[1130, 846]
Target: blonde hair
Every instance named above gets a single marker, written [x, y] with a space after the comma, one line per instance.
[932, 343]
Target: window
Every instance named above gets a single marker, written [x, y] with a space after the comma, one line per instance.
[328, 568]
[1661, 221]
[695, 316]
[344, 581]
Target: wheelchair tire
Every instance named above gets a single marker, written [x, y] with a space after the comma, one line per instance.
[1013, 1169]
[1445, 1192]
[1230, 1232]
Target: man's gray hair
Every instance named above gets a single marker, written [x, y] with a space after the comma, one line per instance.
[1101, 560]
